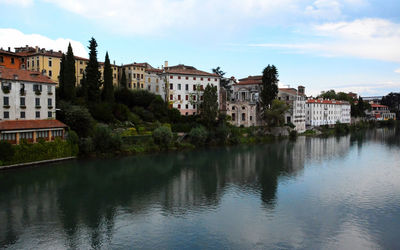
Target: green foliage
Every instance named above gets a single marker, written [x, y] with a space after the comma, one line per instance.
[104, 140]
[222, 134]
[69, 75]
[159, 108]
[209, 106]
[122, 81]
[72, 137]
[198, 135]
[121, 112]
[162, 136]
[108, 88]
[93, 74]
[102, 112]
[341, 128]
[293, 134]
[60, 89]
[42, 151]
[144, 114]
[275, 115]
[174, 115]
[269, 87]
[77, 118]
[6, 151]
[86, 146]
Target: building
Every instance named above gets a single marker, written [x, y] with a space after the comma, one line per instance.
[380, 112]
[10, 59]
[28, 106]
[327, 112]
[135, 73]
[185, 85]
[296, 100]
[155, 81]
[243, 104]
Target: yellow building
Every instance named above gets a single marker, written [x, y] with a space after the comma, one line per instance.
[114, 73]
[135, 75]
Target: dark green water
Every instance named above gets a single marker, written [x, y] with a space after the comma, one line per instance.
[332, 193]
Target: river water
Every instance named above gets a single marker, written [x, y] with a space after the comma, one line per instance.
[314, 193]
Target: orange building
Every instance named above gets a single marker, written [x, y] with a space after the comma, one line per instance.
[10, 60]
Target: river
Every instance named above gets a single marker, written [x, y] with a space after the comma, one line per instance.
[312, 193]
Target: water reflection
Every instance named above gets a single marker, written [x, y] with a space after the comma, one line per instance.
[78, 203]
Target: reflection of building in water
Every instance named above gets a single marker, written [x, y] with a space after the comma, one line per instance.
[319, 149]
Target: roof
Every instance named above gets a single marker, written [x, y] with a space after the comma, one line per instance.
[250, 80]
[41, 52]
[24, 75]
[187, 70]
[143, 65]
[154, 70]
[291, 91]
[378, 106]
[326, 101]
[6, 52]
[30, 124]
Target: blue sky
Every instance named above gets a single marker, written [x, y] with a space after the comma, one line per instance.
[346, 45]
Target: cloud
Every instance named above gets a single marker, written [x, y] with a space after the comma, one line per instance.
[23, 3]
[15, 38]
[397, 70]
[363, 38]
[327, 9]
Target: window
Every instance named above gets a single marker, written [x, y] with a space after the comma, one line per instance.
[194, 98]
[80, 71]
[37, 102]
[194, 87]
[48, 89]
[9, 137]
[6, 101]
[141, 76]
[49, 102]
[187, 87]
[26, 135]
[22, 114]
[201, 79]
[251, 118]
[194, 78]
[37, 87]
[171, 97]
[57, 133]
[37, 114]
[243, 116]
[187, 97]
[215, 79]
[233, 108]
[22, 101]
[233, 117]
[156, 88]
[171, 77]
[171, 86]
[50, 73]
[49, 114]
[148, 80]
[179, 86]
[1, 59]
[6, 115]
[157, 80]
[50, 63]
[12, 60]
[187, 106]
[179, 77]
[37, 63]
[141, 85]
[80, 62]
[201, 98]
[179, 106]
[209, 79]
[33, 63]
[201, 87]
[42, 134]
[179, 97]
[27, 63]
[187, 78]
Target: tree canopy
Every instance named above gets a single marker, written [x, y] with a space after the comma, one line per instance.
[93, 74]
[209, 106]
[108, 88]
[69, 75]
[269, 89]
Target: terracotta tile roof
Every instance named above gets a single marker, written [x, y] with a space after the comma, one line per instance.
[291, 91]
[187, 70]
[142, 65]
[378, 106]
[250, 80]
[326, 101]
[30, 124]
[154, 70]
[81, 58]
[6, 52]
[24, 75]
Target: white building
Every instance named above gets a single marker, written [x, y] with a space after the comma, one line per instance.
[296, 100]
[155, 81]
[327, 112]
[27, 108]
[185, 85]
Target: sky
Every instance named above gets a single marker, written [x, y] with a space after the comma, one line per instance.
[346, 45]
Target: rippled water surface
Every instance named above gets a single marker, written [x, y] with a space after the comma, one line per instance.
[315, 193]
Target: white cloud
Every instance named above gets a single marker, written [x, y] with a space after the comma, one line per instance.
[363, 38]
[397, 70]
[23, 3]
[326, 9]
[15, 38]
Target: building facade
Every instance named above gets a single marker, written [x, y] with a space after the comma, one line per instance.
[185, 86]
[10, 60]
[135, 73]
[327, 112]
[28, 106]
[296, 100]
[155, 82]
[380, 112]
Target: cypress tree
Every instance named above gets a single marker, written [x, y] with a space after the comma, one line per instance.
[269, 86]
[61, 78]
[69, 75]
[108, 88]
[122, 82]
[93, 74]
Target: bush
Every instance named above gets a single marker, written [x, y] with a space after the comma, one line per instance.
[198, 135]
[104, 141]
[102, 112]
[86, 146]
[222, 133]
[162, 136]
[6, 151]
[77, 118]
[121, 112]
[144, 114]
[72, 137]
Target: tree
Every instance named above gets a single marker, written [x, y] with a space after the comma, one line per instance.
[224, 82]
[392, 100]
[69, 75]
[269, 89]
[122, 82]
[108, 88]
[93, 74]
[163, 136]
[209, 106]
[274, 116]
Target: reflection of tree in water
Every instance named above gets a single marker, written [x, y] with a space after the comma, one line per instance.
[85, 195]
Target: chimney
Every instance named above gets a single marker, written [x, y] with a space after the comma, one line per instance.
[166, 64]
[37, 49]
[301, 90]
[9, 49]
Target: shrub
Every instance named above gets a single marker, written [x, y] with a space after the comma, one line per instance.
[162, 136]
[143, 113]
[198, 135]
[86, 146]
[77, 118]
[6, 151]
[102, 112]
[222, 133]
[121, 112]
[104, 141]
[72, 137]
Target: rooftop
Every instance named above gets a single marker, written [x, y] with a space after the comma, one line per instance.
[323, 101]
[23, 75]
[187, 70]
[30, 124]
